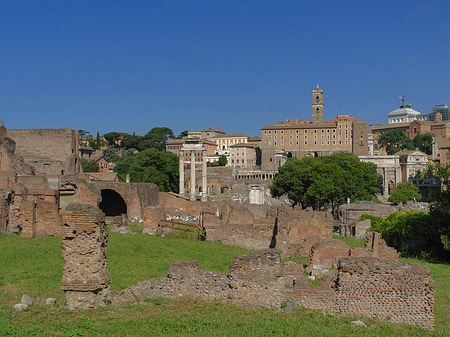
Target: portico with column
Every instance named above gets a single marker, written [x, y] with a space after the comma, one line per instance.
[193, 146]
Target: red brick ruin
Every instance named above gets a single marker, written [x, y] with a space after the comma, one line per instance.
[42, 196]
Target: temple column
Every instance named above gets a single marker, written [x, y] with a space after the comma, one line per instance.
[192, 197]
[181, 183]
[204, 188]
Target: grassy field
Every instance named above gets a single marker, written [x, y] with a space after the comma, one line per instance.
[33, 266]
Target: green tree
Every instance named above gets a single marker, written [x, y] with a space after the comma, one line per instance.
[151, 166]
[98, 142]
[130, 141]
[156, 138]
[111, 154]
[89, 166]
[223, 160]
[112, 138]
[394, 141]
[404, 192]
[183, 134]
[424, 143]
[326, 181]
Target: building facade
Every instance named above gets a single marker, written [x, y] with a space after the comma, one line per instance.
[300, 138]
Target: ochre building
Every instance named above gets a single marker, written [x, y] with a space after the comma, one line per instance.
[300, 138]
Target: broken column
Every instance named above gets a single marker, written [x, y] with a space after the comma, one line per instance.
[85, 278]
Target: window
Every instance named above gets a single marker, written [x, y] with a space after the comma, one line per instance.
[290, 143]
[317, 110]
[274, 131]
[306, 131]
[275, 143]
[270, 159]
[297, 143]
[290, 131]
[265, 132]
[317, 99]
[315, 131]
[290, 137]
[270, 132]
[282, 131]
[296, 131]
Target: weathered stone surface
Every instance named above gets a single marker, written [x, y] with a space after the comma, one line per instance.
[327, 253]
[20, 306]
[85, 279]
[364, 286]
[27, 299]
[50, 301]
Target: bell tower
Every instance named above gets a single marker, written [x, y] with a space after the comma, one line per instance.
[317, 105]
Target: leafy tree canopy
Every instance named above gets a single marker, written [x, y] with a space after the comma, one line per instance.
[112, 138]
[151, 166]
[394, 141]
[404, 192]
[156, 138]
[222, 160]
[424, 143]
[111, 154]
[89, 166]
[326, 181]
[130, 141]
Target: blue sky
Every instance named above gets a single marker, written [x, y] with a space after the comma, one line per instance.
[129, 66]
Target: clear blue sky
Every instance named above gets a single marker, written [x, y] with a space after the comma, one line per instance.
[129, 66]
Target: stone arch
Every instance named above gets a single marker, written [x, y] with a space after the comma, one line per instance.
[112, 203]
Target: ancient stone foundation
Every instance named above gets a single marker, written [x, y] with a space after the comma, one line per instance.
[366, 286]
[85, 278]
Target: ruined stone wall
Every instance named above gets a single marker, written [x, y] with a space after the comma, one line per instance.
[39, 218]
[372, 287]
[393, 290]
[85, 278]
[50, 151]
[350, 213]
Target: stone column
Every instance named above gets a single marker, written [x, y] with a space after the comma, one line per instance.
[181, 183]
[85, 279]
[192, 197]
[204, 183]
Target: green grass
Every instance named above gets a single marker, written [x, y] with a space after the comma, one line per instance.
[33, 266]
[351, 241]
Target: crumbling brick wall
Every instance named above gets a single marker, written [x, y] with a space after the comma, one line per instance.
[327, 252]
[85, 278]
[394, 290]
[368, 286]
[49, 151]
[39, 218]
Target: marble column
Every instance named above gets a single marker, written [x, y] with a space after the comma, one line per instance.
[192, 197]
[204, 184]
[181, 183]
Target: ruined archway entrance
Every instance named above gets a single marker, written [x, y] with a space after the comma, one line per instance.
[112, 203]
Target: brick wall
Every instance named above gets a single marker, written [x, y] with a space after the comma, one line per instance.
[85, 278]
[50, 151]
[367, 286]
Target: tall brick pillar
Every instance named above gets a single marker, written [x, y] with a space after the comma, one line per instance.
[85, 278]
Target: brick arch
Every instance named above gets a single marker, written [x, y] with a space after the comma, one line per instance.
[112, 203]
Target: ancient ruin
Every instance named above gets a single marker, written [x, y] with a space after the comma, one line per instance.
[85, 279]
[366, 286]
[41, 197]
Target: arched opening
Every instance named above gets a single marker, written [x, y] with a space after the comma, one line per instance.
[112, 203]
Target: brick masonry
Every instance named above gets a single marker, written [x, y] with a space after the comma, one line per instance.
[85, 278]
[366, 286]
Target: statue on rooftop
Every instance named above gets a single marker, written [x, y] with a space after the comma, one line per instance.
[404, 105]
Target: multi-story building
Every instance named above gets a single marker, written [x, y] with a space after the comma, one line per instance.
[175, 146]
[300, 138]
[244, 155]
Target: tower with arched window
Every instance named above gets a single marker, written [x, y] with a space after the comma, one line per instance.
[317, 105]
